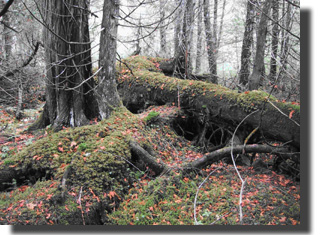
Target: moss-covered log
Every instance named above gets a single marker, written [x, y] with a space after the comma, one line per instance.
[146, 84]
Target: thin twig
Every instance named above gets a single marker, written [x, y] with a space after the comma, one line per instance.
[195, 198]
[283, 113]
[235, 166]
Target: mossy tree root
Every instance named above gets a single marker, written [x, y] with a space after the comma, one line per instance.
[148, 159]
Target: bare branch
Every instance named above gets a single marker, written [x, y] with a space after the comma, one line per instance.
[6, 8]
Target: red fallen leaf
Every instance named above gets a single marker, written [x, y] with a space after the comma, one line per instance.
[73, 143]
[151, 208]
[23, 188]
[283, 219]
[246, 92]
[60, 149]
[31, 206]
[40, 205]
[49, 196]
[21, 203]
[290, 114]
[66, 208]
[48, 216]
[294, 222]
[111, 194]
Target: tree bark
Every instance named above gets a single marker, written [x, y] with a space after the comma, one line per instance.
[108, 97]
[178, 28]
[210, 42]
[285, 38]
[182, 59]
[247, 44]
[163, 36]
[258, 67]
[69, 83]
[20, 100]
[275, 41]
[199, 38]
[8, 37]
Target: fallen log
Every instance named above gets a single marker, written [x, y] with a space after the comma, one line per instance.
[219, 154]
[276, 120]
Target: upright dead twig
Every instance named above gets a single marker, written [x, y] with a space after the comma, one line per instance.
[243, 182]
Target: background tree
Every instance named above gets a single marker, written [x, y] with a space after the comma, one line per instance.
[258, 67]
[199, 37]
[108, 97]
[163, 36]
[247, 43]
[210, 42]
[213, 36]
[275, 40]
[20, 50]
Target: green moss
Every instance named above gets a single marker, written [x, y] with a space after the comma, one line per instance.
[82, 146]
[151, 116]
[248, 101]
[8, 162]
[170, 201]
[99, 164]
[140, 63]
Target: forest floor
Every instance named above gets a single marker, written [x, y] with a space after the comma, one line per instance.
[210, 196]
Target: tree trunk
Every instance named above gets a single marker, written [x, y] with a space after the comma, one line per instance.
[178, 24]
[285, 38]
[247, 44]
[210, 42]
[163, 37]
[182, 57]
[215, 35]
[20, 100]
[275, 41]
[137, 51]
[69, 83]
[258, 67]
[199, 38]
[108, 97]
[8, 37]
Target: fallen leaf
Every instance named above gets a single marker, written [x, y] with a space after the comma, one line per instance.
[290, 114]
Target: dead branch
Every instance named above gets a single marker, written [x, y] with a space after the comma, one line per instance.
[221, 153]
